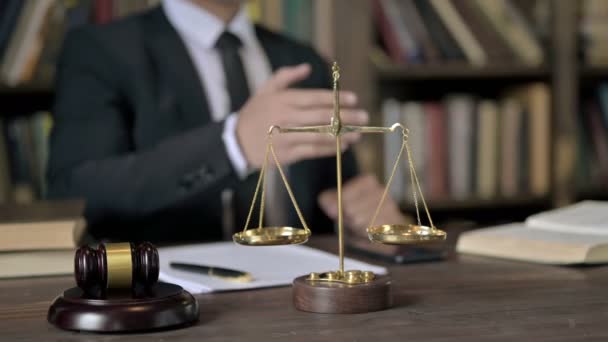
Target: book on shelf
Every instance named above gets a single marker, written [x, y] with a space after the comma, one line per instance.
[31, 32]
[511, 125]
[23, 157]
[511, 25]
[592, 139]
[476, 32]
[460, 110]
[462, 34]
[438, 32]
[466, 147]
[420, 34]
[25, 43]
[436, 138]
[481, 27]
[594, 29]
[577, 234]
[487, 148]
[9, 15]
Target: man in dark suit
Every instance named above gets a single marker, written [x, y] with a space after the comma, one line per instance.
[159, 115]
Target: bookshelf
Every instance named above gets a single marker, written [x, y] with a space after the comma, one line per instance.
[561, 71]
[344, 30]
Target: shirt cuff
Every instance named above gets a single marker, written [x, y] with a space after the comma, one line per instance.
[237, 159]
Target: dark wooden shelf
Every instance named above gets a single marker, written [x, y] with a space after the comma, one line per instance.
[476, 203]
[593, 71]
[26, 89]
[482, 211]
[392, 72]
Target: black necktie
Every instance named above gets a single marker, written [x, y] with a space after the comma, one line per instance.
[228, 46]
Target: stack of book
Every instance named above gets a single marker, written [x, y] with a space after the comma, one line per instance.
[39, 248]
[478, 32]
[469, 148]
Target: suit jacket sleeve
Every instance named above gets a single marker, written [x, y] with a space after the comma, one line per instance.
[91, 111]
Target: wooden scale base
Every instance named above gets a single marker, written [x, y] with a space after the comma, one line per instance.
[340, 298]
[167, 306]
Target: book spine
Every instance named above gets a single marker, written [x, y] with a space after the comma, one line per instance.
[539, 103]
[511, 116]
[486, 149]
[460, 110]
[441, 36]
[409, 47]
[387, 32]
[436, 139]
[461, 33]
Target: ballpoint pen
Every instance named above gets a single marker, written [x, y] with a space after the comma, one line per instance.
[212, 271]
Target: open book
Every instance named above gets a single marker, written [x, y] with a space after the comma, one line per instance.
[577, 234]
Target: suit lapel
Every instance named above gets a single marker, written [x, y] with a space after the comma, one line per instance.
[272, 48]
[179, 84]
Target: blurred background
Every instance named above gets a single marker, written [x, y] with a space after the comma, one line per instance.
[505, 99]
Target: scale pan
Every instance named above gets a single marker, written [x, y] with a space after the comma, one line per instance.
[395, 234]
[271, 236]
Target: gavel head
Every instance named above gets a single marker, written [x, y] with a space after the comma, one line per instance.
[116, 266]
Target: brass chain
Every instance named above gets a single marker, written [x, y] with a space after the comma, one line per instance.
[413, 182]
[288, 187]
[417, 187]
[261, 181]
[390, 179]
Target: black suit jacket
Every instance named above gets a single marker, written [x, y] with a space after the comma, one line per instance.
[133, 134]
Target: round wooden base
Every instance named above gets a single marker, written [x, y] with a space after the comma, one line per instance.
[167, 306]
[326, 297]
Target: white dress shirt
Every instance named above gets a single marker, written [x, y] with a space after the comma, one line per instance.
[200, 30]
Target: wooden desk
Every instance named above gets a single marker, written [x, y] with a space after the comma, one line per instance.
[463, 299]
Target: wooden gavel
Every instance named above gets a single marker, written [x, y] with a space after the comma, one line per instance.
[115, 266]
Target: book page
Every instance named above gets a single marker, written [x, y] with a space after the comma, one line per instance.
[587, 217]
[522, 232]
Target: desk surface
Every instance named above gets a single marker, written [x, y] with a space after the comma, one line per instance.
[463, 299]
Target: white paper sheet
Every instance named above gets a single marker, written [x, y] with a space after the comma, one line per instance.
[269, 266]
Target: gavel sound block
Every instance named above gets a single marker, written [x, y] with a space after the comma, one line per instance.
[118, 291]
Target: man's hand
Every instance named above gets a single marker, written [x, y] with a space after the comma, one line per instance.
[360, 197]
[275, 104]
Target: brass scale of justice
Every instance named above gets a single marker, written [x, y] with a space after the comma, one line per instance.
[396, 234]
